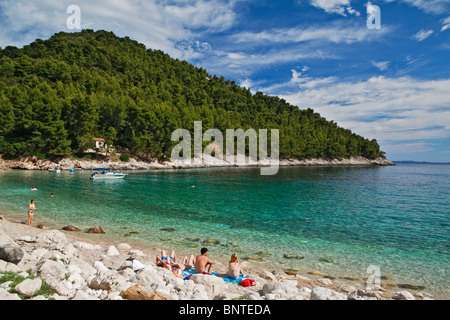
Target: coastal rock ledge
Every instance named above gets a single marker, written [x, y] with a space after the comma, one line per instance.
[34, 163]
[75, 270]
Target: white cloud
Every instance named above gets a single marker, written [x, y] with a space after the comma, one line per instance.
[407, 148]
[308, 82]
[396, 111]
[243, 64]
[336, 32]
[157, 24]
[382, 65]
[446, 24]
[423, 34]
[428, 6]
[341, 7]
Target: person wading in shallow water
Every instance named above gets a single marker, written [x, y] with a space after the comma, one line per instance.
[31, 208]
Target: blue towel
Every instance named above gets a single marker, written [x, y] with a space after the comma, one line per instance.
[190, 272]
[239, 279]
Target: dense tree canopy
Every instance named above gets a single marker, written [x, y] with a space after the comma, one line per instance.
[55, 95]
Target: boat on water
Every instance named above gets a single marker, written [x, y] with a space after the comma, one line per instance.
[106, 174]
[54, 170]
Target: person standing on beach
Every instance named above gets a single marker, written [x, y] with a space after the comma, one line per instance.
[31, 208]
[202, 263]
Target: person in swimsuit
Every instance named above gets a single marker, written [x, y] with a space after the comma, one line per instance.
[170, 263]
[234, 268]
[188, 263]
[163, 261]
[202, 263]
[31, 207]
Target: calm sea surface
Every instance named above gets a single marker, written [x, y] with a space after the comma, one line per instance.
[396, 218]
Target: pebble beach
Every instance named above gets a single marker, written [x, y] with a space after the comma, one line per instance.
[76, 265]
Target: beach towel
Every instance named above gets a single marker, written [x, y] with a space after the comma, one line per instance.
[238, 280]
[188, 273]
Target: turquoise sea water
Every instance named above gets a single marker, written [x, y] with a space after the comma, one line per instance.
[397, 218]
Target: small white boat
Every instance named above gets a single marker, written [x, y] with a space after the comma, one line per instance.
[54, 170]
[106, 174]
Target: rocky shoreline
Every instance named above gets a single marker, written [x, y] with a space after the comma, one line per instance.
[34, 163]
[58, 264]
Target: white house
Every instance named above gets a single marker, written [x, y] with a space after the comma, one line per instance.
[99, 143]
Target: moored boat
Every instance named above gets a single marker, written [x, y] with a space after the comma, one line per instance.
[106, 174]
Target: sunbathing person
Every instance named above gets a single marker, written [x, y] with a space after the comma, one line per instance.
[187, 264]
[202, 263]
[163, 261]
[234, 268]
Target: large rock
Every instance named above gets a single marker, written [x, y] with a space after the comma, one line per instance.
[9, 250]
[285, 289]
[58, 286]
[9, 267]
[50, 268]
[142, 292]
[213, 285]
[147, 276]
[11, 253]
[96, 229]
[112, 251]
[82, 295]
[267, 275]
[76, 265]
[320, 293]
[28, 287]
[71, 228]
[403, 295]
[51, 237]
[108, 281]
[5, 295]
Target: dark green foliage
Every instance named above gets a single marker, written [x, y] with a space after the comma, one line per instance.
[125, 157]
[55, 95]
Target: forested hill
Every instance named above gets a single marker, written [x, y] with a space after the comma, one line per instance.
[55, 95]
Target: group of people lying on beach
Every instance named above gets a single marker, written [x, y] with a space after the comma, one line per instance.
[201, 264]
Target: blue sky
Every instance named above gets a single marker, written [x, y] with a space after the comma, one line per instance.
[391, 84]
